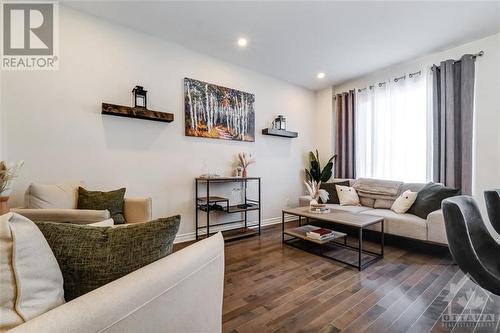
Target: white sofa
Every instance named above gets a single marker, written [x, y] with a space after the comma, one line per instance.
[57, 203]
[180, 293]
[430, 230]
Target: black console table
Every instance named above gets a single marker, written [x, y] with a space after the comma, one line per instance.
[207, 204]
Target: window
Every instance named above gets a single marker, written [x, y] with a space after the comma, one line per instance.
[391, 130]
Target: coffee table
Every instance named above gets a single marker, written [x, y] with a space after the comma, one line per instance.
[357, 221]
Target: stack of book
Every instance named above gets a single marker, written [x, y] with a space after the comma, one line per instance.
[320, 234]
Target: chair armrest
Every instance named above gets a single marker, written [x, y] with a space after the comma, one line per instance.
[137, 210]
[77, 216]
[436, 231]
[179, 293]
[304, 200]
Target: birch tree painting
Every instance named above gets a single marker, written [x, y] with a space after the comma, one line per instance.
[217, 112]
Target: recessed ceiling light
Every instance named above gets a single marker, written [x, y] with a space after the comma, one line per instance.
[320, 75]
[242, 42]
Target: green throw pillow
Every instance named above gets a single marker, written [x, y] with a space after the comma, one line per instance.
[332, 190]
[97, 200]
[429, 199]
[90, 257]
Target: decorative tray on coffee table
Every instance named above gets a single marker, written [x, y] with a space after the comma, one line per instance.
[319, 209]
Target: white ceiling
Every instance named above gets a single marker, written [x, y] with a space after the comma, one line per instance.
[293, 41]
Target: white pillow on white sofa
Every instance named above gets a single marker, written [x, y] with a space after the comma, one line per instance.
[404, 202]
[31, 281]
[347, 196]
[52, 196]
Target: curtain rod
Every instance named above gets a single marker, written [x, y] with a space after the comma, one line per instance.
[380, 84]
[474, 56]
[479, 54]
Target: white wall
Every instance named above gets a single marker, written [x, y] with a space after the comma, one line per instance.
[324, 123]
[487, 104]
[54, 123]
[2, 123]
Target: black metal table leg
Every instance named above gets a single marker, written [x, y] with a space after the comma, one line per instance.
[208, 208]
[246, 217]
[360, 247]
[300, 221]
[382, 240]
[260, 206]
[282, 227]
[196, 208]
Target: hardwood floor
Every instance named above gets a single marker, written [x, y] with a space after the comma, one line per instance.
[270, 287]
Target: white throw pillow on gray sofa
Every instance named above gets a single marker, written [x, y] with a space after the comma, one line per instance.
[53, 196]
[347, 196]
[404, 202]
[31, 281]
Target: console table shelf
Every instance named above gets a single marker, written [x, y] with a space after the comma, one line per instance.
[236, 209]
[234, 234]
[206, 204]
[212, 199]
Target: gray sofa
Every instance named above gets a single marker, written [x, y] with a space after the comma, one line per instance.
[430, 230]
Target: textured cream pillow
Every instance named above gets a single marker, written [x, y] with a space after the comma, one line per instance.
[60, 196]
[347, 196]
[404, 202]
[31, 282]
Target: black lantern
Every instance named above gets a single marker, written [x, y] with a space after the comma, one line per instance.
[140, 97]
[280, 123]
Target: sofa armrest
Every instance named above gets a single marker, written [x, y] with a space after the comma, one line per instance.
[137, 210]
[436, 231]
[78, 216]
[179, 293]
[304, 200]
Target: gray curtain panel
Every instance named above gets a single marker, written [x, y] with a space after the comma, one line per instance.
[453, 106]
[344, 143]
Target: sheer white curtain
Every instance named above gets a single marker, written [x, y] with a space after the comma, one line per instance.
[391, 130]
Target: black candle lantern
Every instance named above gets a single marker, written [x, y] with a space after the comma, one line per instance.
[280, 123]
[140, 97]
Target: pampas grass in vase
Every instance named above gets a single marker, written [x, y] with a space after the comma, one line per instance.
[244, 160]
[315, 192]
[8, 172]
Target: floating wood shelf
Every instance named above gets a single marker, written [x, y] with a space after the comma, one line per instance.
[278, 132]
[139, 113]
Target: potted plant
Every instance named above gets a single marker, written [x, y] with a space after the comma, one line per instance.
[315, 176]
[8, 172]
[315, 173]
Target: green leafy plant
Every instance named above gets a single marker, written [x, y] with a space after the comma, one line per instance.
[315, 173]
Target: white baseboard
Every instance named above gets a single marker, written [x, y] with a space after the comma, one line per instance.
[190, 236]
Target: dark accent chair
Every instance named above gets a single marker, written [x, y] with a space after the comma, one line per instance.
[492, 199]
[473, 248]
